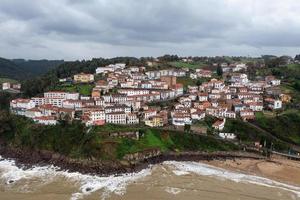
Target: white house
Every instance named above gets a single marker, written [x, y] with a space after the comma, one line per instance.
[181, 119]
[203, 97]
[115, 118]
[132, 118]
[33, 112]
[273, 103]
[219, 124]
[45, 120]
[19, 106]
[275, 82]
[227, 136]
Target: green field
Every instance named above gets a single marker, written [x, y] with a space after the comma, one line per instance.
[185, 81]
[193, 65]
[3, 80]
[172, 141]
[83, 89]
[284, 126]
[293, 67]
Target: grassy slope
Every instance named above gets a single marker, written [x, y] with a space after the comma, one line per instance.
[2, 80]
[193, 65]
[78, 142]
[285, 126]
[172, 140]
[83, 89]
[185, 81]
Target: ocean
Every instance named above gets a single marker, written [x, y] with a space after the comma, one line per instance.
[167, 181]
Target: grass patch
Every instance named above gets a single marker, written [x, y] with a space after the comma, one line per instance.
[191, 65]
[83, 89]
[111, 128]
[172, 141]
[285, 126]
[3, 80]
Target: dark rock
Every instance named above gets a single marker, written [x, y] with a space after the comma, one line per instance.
[27, 158]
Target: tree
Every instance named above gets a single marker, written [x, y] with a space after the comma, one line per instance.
[219, 71]
[5, 122]
[187, 128]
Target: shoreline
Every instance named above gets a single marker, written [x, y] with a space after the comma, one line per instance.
[277, 168]
[25, 158]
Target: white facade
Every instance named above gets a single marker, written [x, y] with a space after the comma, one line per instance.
[38, 100]
[96, 115]
[277, 104]
[132, 118]
[229, 136]
[19, 106]
[133, 92]
[5, 86]
[181, 119]
[45, 120]
[61, 95]
[116, 118]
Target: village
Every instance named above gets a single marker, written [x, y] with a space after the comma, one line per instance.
[131, 95]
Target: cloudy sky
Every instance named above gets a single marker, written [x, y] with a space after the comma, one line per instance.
[82, 29]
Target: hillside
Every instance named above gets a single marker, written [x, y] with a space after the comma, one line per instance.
[37, 67]
[20, 69]
[9, 69]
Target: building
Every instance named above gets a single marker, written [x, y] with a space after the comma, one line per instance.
[132, 118]
[33, 112]
[272, 80]
[84, 78]
[198, 115]
[19, 106]
[247, 115]
[116, 118]
[5, 86]
[170, 80]
[227, 136]
[181, 119]
[219, 124]
[94, 116]
[45, 120]
[155, 121]
[203, 97]
[256, 106]
[110, 68]
[117, 108]
[201, 73]
[285, 98]
[273, 103]
[62, 95]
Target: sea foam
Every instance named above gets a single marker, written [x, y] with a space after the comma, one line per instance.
[11, 174]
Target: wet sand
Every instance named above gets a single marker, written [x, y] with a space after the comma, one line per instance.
[277, 168]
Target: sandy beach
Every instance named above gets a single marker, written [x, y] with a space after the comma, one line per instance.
[230, 179]
[277, 168]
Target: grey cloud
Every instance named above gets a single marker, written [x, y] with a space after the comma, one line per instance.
[142, 27]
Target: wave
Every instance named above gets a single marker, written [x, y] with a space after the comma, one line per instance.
[208, 170]
[11, 174]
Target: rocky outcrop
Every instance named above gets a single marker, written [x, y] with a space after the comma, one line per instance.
[134, 162]
[140, 156]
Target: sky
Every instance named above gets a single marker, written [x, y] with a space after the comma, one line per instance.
[84, 29]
